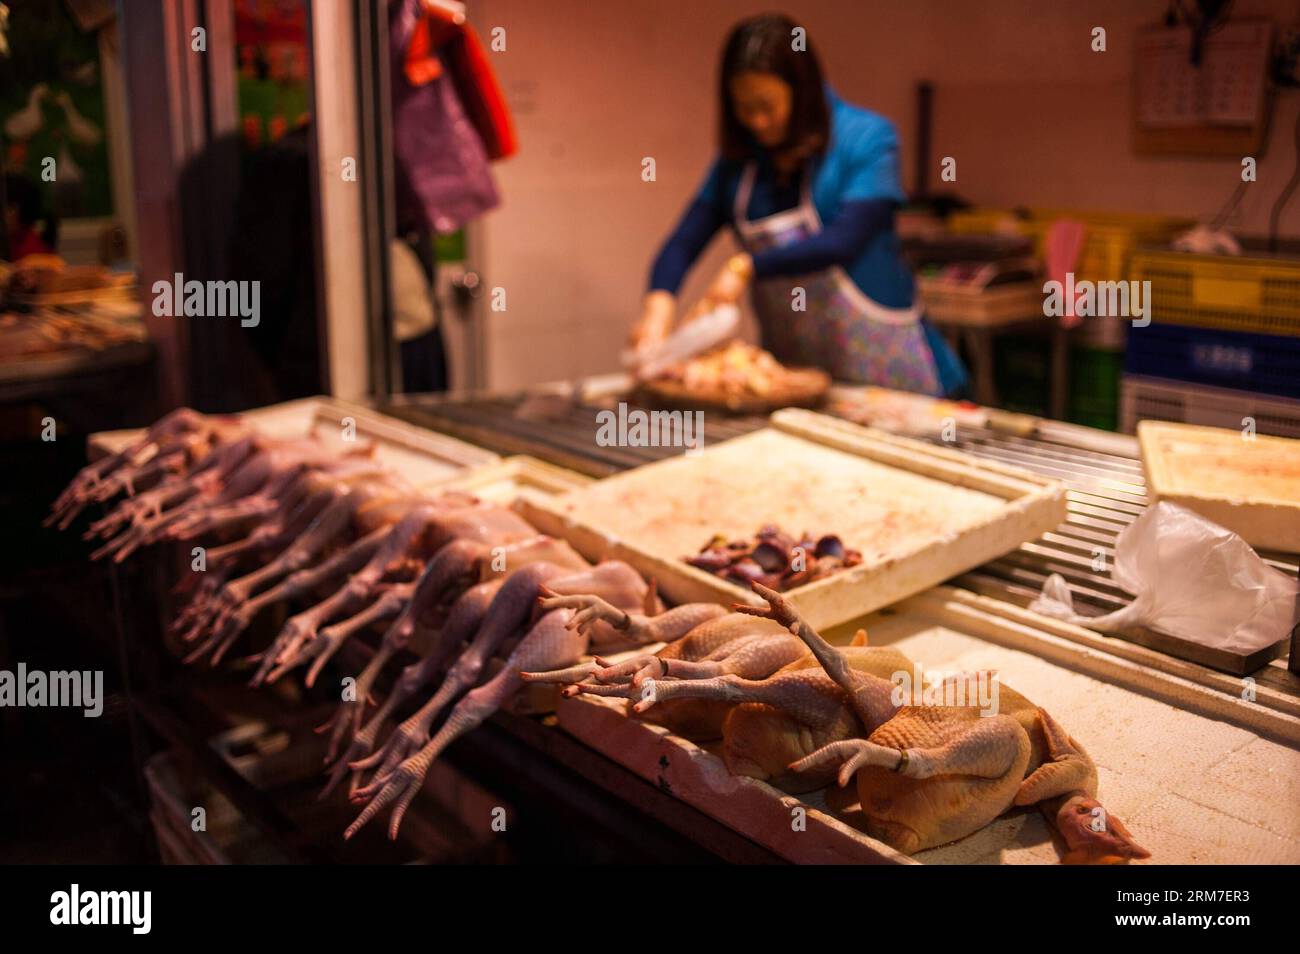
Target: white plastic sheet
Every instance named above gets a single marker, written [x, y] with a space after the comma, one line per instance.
[1190, 578]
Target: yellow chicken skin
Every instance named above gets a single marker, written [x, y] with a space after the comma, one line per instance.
[926, 774]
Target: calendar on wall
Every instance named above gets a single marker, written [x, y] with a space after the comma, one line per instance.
[1216, 107]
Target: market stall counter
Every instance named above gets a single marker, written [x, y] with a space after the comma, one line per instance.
[498, 582]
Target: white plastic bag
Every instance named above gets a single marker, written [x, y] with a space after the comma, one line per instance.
[1190, 578]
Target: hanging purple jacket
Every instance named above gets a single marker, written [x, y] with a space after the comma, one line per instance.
[442, 176]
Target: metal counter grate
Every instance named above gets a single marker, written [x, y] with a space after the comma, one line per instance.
[566, 436]
[1106, 491]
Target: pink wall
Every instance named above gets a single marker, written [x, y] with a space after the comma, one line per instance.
[1029, 112]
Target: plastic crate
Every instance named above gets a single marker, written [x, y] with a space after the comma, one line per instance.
[952, 304]
[1095, 375]
[1269, 364]
[1254, 295]
[1155, 399]
[1022, 376]
[1109, 242]
[1021, 373]
[988, 222]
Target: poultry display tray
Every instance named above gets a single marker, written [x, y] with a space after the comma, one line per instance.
[919, 514]
[1252, 487]
[1200, 775]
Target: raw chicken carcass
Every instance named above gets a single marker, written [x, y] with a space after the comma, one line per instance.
[926, 775]
[354, 516]
[461, 623]
[422, 532]
[929, 774]
[457, 565]
[167, 447]
[233, 484]
[730, 643]
[310, 517]
[557, 638]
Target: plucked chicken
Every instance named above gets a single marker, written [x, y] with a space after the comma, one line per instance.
[926, 774]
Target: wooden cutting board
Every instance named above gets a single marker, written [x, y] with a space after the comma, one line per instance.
[801, 387]
[1249, 484]
[919, 514]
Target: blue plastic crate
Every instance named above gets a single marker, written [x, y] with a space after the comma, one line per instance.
[1266, 364]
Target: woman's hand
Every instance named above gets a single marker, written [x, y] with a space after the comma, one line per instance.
[726, 288]
[658, 311]
[730, 283]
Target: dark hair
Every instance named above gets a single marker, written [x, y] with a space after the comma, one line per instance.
[765, 44]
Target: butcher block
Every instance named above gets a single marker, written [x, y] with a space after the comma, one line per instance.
[1247, 482]
[918, 513]
[1198, 770]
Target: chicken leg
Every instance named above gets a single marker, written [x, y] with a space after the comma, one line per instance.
[460, 559]
[551, 642]
[423, 531]
[465, 618]
[930, 774]
[555, 640]
[514, 603]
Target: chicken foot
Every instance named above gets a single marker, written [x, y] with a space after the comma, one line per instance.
[514, 603]
[171, 439]
[460, 560]
[928, 775]
[550, 638]
[332, 509]
[393, 598]
[464, 620]
[235, 617]
[553, 641]
[424, 530]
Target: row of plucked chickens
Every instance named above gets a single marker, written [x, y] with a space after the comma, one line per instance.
[294, 520]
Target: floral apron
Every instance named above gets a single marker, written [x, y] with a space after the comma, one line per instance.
[841, 330]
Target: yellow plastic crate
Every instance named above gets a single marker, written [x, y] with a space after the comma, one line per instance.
[1109, 241]
[1254, 295]
[987, 222]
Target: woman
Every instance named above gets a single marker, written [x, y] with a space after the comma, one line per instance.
[810, 185]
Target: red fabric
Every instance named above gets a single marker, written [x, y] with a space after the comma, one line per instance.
[437, 41]
[25, 241]
[422, 63]
[482, 97]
